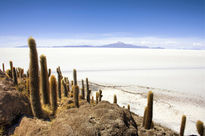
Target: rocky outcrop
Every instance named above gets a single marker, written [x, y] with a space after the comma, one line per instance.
[101, 120]
[12, 103]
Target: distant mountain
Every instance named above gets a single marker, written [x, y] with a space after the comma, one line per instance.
[113, 45]
[122, 45]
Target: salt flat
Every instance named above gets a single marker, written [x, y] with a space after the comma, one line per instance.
[177, 77]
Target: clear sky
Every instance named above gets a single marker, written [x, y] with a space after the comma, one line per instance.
[167, 23]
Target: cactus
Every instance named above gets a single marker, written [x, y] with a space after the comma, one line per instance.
[34, 80]
[3, 68]
[11, 68]
[27, 85]
[49, 72]
[92, 100]
[148, 119]
[53, 88]
[76, 96]
[115, 99]
[100, 95]
[71, 82]
[74, 77]
[128, 107]
[8, 72]
[65, 89]
[97, 97]
[59, 82]
[83, 90]
[88, 91]
[144, 117]
[44, 80]
[183, 124]
[15, 76]
[200, 127]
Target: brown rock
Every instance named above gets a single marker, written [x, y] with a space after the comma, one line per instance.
[12, 103]
[101, 120]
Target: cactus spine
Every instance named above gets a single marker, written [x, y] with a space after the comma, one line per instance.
[59, 82]
[200, 127]
[11, 68]
[183, 124]
[44, 80]
[3, 68]
[53, 87]
[100, 95]
[15, 76]
[83, 90]
[88, 91]
[34, 80]
[115, 99]
[148, 119]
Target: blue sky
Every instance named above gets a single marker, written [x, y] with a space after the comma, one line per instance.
[167, 23]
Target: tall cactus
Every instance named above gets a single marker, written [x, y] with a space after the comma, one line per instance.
[53, 87]
[183, 124]
[200, 127]
[87, 90]
[76, 96]
[49, 72]
[34, 80]
[100, 95]
[115, 99]
[148, 119]
[144, 117]
[3, 68]
[83, 90]
[15, 76]
[11, 68]
[65, 89]
[44, 80]
[74, 77]
[59, 82]
[128, 107]
[97, 97]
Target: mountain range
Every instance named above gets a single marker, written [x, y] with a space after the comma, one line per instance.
[113, 45]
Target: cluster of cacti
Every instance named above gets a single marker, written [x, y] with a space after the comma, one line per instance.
[115, 99]
[183, 124]
[34, 80]
[200, 127]
[44, 80]
[149, 111]
[59, 82]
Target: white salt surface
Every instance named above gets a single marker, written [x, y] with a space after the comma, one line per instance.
[179, 73]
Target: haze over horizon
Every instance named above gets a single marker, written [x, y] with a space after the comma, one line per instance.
[159, 23]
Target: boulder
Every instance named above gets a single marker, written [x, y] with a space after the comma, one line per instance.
[13, 104]
[101, 120]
